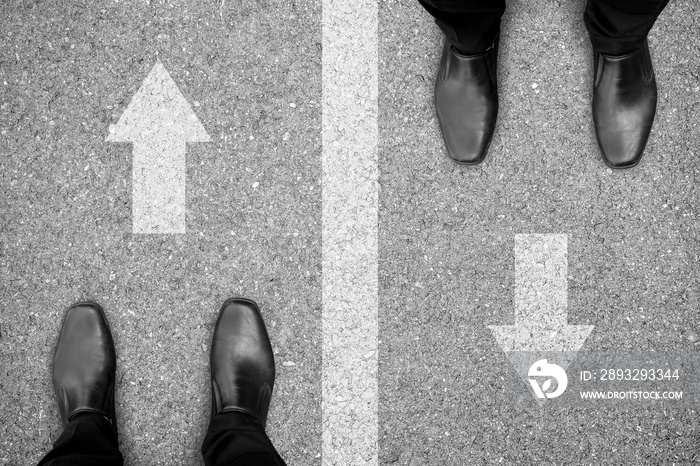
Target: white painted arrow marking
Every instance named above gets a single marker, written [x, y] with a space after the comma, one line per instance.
[159, 122]
[540, 299]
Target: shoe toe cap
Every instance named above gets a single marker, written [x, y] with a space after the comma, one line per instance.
[467, 128]
[623, 149]
[467, 147]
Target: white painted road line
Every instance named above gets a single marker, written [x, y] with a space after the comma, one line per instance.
[541, 299]
[350, 223]
[159, 122]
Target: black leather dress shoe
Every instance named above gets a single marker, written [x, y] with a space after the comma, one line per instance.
[624, 104]
[84, 364]
[466, 102]
[242, 363]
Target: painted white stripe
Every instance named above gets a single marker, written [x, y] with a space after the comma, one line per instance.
[159, 122]
[350, 223]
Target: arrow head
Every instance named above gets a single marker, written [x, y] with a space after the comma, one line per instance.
[158, 111]
[541, 338]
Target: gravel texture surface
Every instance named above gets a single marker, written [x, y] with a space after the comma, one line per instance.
[252, 73]
[447, 239]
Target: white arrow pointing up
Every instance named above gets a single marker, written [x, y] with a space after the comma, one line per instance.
[540, 299]
[159, 122]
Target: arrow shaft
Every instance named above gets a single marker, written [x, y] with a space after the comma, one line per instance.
[158, 186]
[540, 299]
[540, 280]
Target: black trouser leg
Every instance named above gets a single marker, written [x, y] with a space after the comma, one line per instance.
[471, 26]
[236, 439]
[618, 27]
[88, 440]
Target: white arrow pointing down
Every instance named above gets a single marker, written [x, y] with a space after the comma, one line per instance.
[540, 299]
[159, 122]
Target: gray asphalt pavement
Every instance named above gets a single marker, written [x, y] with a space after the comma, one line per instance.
[447, 237]
[252, 72]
